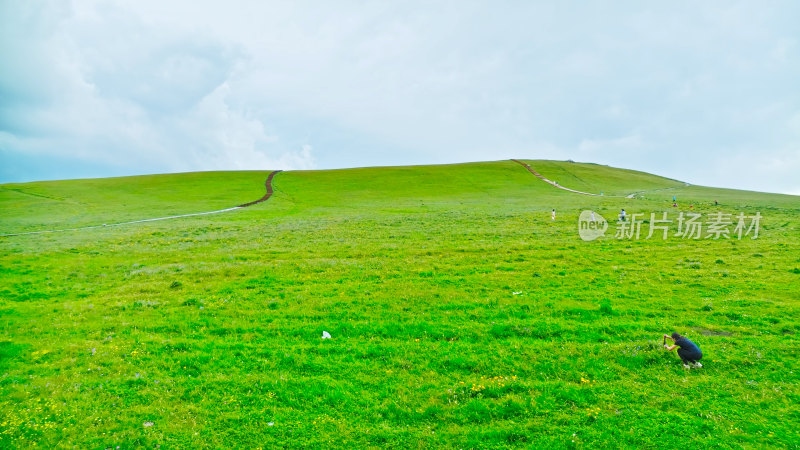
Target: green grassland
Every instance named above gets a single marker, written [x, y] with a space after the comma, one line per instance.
[74, 203]
[462, 316]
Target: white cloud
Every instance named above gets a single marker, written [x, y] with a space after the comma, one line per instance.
[121, 93]
[232, 139]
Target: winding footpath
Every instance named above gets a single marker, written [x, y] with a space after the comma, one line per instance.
[633, 195]
[268, 185]
[540, 176]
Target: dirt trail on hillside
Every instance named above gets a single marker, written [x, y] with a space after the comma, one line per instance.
[267, 184]
[631, 196]
[540, 176]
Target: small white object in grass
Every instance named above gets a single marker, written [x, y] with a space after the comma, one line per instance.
[326, 335]
[148, 424]
[517, 293]
[271, 423]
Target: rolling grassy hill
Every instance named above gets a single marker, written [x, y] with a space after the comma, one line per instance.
[461, 314]
[74, 203]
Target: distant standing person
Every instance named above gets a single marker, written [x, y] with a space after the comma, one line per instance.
[688, 351]
[554, 214]
[716, 203]
[622, 215]
[674, 199]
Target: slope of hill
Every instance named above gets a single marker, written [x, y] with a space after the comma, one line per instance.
[598, 179]
[461, 313]
[74, 203]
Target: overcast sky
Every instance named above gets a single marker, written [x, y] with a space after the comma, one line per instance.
[705, 92]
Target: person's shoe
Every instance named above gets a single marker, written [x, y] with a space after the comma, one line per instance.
[686, 366]
[698, 365]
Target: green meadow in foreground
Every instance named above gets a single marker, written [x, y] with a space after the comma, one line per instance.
[461, 314]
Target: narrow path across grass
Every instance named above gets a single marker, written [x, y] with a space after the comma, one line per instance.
[540, 176]
[268, 185]
[632, 195]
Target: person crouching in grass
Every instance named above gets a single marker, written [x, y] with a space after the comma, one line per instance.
[688, 351]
